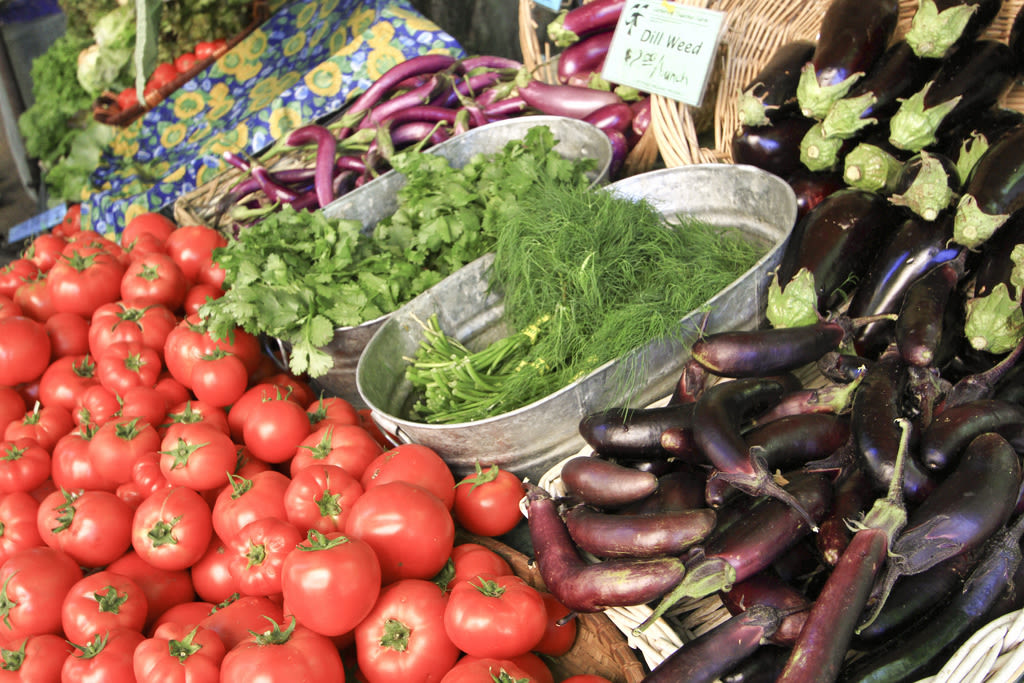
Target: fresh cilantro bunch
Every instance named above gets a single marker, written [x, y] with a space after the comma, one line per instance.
[298, 275]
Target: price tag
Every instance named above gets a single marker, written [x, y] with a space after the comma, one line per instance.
[37, 224]
[664, 48]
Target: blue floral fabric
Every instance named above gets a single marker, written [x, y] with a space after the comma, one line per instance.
[301, 65]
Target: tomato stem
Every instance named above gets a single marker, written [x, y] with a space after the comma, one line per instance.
[184, 648]
[162, 532]
[395, 636]
[111, 601]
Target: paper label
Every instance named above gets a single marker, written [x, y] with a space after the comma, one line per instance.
[664, 48]
[37, 224]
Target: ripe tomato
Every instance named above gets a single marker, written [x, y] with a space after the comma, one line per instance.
[164, 588]
[172, 528]
[12, 407]
[487, 670]
[105, 658]
[416, 464]
[470, 560]
[487, 502]
[127, 364]
[148, 324]
[205, 49]
[96, 406]
[150, 222]
[118, 443]
[210, 574]
[320, 497]
[72, 467]
[403, 636]
[154, 278]
[128, 98]
[192, 411]
[45, 249]
[35, 300]
[408, 527]
[199, 456]
[295, 653]
[219, 378]
[15, 273]
[92, 527]
[162, 75]
[191, 247]
[274, 429]
[85, 280]
[71, 223]
[174, 392]
[24, 465]
[186, 614]
[495, 616]
[24, 350]
[348, 446]
[333, 410]
[183, 346]
[185, 61]
[179, 652]
[65, 379]
[35, 658]
[100, 602]
[33, 583]
[236, 619]
[560, 633]
[254, 395]
[145, 403]
[9, 308]
[69, 334]
[246, 500]
[18, 513]
[44, 424]
[198, 294]
[257, 553]
[335, 570]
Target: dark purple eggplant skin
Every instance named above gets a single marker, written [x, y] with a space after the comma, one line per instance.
[679, 490]
[764, 666]
[605, 484]
[852, 37]
[953, 429]
[837, 240]
[995, 264]
[989, 125]
[928, 318]
[915, 247]
[633, 433]
[606, 534]
[854, 495]
[810, 187]
[898, 73]
[875, 434]
[774, 85]
[766, 351]
[707, 657]
[767, 588]
[912, 167]
[775, 147]
[692, 382]
[979, 72]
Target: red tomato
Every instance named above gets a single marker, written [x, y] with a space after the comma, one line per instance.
[15, 273]
[254, 395]
[191, 247]
[257, 553]
[198, 294]
[183, 346]
[18, 513]
[127, 364]
[45, 249]
[92, 527]
[150, 222]
[33, 583]
[12, 407]
[9, 308]
[320, 497]
[174, 392]
[147, 479]
[274, 429]
[295, 653]
[470, 560]
[162, 75]
[237, 618]
[487, 502]
[172, 528]
[416, 464]
[338, 571]
[72, 467]
[36, 658]
[498, 616]
[71, 223]
[85, 280]
[184, 62]
[128, 98]
[348, 446]
[147, 324]
[100, 602]
[65, 379]
[154, 278]
[296, 389]
[105, 658]
[118, 443]
[199, 456]
[586, 678]
[145, 403]
[246, 500]
[186, 614]
[560, 633]
[44, 424]
[486, 670]
[219, 378]
[24, 350]
[24, 465]
[408, 527]
[143, 245]
[205, 49]
[179, 653]
[35, 300]
[164, 588]
[403, 636]
[210, 574]
[96, 406]
[333, 410]
[69, 334]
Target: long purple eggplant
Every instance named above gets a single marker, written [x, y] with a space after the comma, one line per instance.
[854, 493]
[605, 484]
[970, 80]
[585, 587]
[584, 57]
[707, 657]
[852, 36]
[652, 534]
[679, 490]
[939, 26]
[981, 384]
[768, 588]
[633, 433]
[945, 439]
[922, 322]
[574, 101]
[592, 17]
[836, 241]
[767, 351]
[996, 264]
[994, 191]
[774, 85]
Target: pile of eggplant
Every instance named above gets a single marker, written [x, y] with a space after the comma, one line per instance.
[847, 476]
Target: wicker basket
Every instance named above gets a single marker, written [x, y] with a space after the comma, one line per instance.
[753, 30]
[599, 649]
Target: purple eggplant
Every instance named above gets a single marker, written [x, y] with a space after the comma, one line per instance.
[915, 246]
[923, 323]
[928, 183]
[326, 146]
[852, 36]
[969, 81]
[585, 56]
[854, 493]
[767, 351]
[768, 588]
[574, 101]
[939, 26]
[811, 187]
[775, 147]
[774, 85]
[592, 17]
[652, 534]
[605, 484]
[994, 191]
[842, 367]
[692, 382]
[764, 666]
[981, 384]
[996, 264]
[946, 438]
[633, 433]
[836, 241]
[679, 490]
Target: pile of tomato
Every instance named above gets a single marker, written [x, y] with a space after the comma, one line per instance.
[167, 72]
[175, 507]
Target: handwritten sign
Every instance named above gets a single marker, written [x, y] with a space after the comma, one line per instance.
[664, 48]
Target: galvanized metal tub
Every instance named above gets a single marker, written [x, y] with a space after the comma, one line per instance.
[530, 439]
[378, 199]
